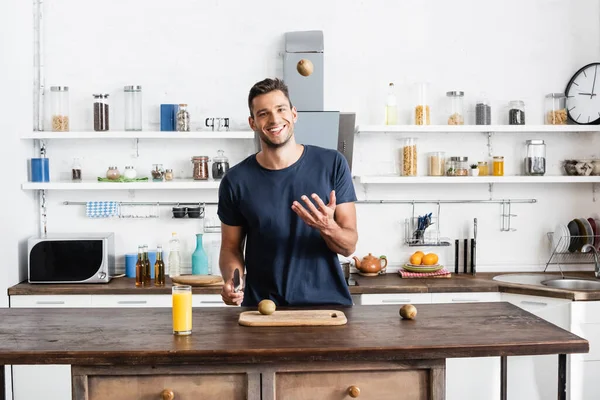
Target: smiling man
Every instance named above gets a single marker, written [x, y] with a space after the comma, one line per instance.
[293, 205]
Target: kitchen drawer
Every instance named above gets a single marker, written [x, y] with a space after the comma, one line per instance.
[586, 312]
[534, 303]
[465, 297]
[380, 385]
[51, 301]
[207, 300]
[183, 387]
[131, 300]
[395, 298]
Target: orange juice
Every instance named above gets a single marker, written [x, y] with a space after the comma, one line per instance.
[182, 310]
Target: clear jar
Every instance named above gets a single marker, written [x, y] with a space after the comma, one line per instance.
[200, 167]
[220, 165]
[168, 174]
[457, 111]
[516, 112]
[498, 166]
[59, 104]
[182, 119]
[130, 172]
[484, 168]
[101, 114]
[133, 107]
[556, 109]
[113, 173]
[535, 160]
[158, 173]
[483, 112]
[76, 170]
[409, 157]
[422, 111]
[437, 163]
[457, 166]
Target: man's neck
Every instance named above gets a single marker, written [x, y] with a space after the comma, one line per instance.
[281, 157]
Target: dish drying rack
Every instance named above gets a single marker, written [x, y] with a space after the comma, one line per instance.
[430, 236]
[567, 257]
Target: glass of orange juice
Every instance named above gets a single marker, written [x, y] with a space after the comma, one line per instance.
[182, 310]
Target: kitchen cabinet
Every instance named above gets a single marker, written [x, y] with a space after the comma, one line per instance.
[584, 369]
[395, 298]
[465, 297]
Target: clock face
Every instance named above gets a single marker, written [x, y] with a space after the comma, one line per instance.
[583, 95]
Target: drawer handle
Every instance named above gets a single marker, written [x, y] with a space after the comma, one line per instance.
[167, 394]
[132, 302]
[354, 391]
[459, 300]
[534, 303]
[395, 301]
[211, 302]
[50, 302]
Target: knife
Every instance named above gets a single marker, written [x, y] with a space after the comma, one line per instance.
[237, 282]
[474, 248]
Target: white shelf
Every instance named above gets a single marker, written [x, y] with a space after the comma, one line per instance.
[398, 180]
[367, 129]
[139, 135]
[176, 184]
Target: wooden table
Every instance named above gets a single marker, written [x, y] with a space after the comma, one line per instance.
[127, 348]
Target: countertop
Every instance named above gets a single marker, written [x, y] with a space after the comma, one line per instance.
[388, 283]
[134, 337]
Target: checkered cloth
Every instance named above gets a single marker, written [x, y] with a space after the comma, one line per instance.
[407, 274]
[102, 209]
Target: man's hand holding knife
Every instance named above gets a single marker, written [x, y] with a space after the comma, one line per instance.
[232, 292]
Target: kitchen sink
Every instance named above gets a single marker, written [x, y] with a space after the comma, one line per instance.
[573, 284]
[523, 279]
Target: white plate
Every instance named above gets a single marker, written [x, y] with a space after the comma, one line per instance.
[422, 266]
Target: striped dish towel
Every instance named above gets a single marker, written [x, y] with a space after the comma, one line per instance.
[102, 209]
[407, 274]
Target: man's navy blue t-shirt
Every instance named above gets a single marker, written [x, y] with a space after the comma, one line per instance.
[287, 261]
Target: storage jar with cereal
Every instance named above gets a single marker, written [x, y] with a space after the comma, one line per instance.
[59, 98]
[556, 109]
[422, 112]
[456, 107]
[409, 157]
[457, 166]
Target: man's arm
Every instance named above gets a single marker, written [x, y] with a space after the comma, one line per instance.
[231, 257]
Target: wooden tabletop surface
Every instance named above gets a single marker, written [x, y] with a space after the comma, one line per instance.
[143, 336]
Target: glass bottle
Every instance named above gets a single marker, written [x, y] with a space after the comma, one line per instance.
[174, 257]
[200, 167]
[457, 111]
[220, 165]
[59, 100]
[483, 112]
[199, 258]
[101, 114]
[516, 112]
[133, 107]
[498, 166]
[147, 273]
[139, 267]
[113, 173]
[409, 157]
[76, 170]
[159, 268]
[556, 109]
[535, 161]
[422, 110]
[182, 119]
[391, 107]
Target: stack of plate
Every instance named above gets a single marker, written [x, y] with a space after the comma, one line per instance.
[422, 268]
[577, 233]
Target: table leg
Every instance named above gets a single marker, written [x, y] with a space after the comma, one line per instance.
[562, 377]
[503, 367]
[2, 384]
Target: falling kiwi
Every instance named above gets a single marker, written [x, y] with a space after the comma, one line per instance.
[408, 311]
[266, 307]
[305, 67]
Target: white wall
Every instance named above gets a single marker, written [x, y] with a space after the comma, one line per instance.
[209, 53]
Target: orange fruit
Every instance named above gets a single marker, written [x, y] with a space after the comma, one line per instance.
[419, 252]
[416, 259]
[430, 259]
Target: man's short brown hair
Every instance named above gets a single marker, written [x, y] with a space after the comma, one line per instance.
[266, 86]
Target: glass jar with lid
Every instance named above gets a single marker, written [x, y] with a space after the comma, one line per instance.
[437, 163]
[409, 157]
[220, 165]
[101, 112]
[130, 172]
[182, 119]
[498, 166]
[457, 166]
[168, 174]
[158, 173]
[535, 160]
[484, 168]
[200, 164]
[113, 173]
[556, 109]
[456, 107]
[483, 111]
[59, 105]
[516, 112]
[422, 114]
[133, 107]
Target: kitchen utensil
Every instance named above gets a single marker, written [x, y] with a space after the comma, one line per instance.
[294, 318]
[573, 232]
[237, 282]
[465, 254]
[589, 232]
[371, 265]
[597, 234]
[429, 268]
[198, 280]
[474, 248]
[421, 265]
[456, 256]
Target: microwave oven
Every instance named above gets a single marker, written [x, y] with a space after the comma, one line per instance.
[71, 258]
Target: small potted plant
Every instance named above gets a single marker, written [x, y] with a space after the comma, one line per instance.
[474, 170]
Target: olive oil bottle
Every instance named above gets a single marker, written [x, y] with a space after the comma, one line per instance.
[159, 268]
[139, 267]
[146, 267]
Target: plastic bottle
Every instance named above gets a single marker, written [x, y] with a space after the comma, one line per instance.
[391, 107]
[174, 256]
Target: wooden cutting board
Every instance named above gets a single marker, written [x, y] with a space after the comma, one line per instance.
[294, 318]
[198, 280]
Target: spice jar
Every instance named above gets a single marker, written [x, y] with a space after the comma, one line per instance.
[457, 111]
[182, 119]
[484, 168]
[157, 172]
[220, 165]
[168, 174]
[556, 109]
[535, 161]
[409, 157]
[498, 166]
[100, 112]
[59, 99]
[133, 107]
[130, 172]
[113, 173]
[483, 112]
[422, 111]
[76, 170]
[457, 166]
[437, 163]
[516, 112]
[200, 167]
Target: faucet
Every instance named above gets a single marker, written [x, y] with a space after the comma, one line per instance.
[587, 248]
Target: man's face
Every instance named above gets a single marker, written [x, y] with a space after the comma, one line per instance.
[273, 118]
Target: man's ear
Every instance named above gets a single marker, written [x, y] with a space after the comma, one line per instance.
[251, 123]
[295, 114]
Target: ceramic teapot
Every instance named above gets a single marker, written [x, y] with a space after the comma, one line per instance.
[371, 264]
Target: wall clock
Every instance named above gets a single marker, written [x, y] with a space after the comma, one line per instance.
[583, 96]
